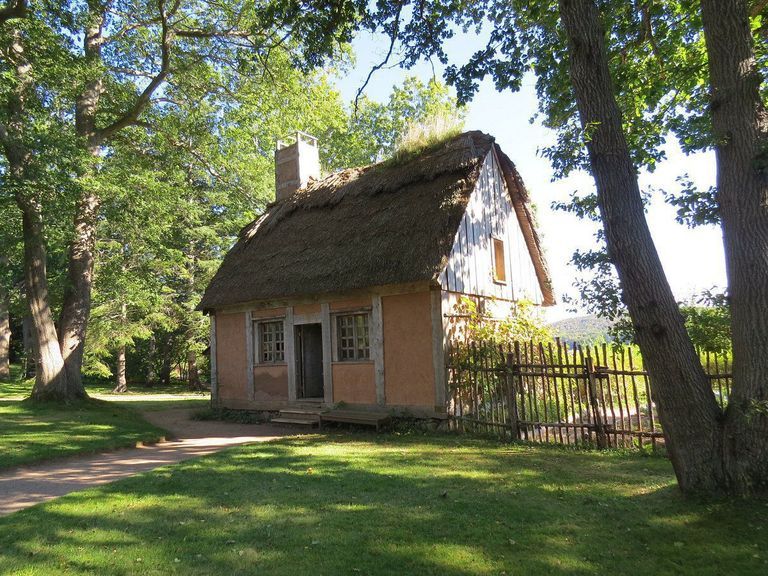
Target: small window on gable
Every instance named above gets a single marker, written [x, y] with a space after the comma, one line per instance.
[499, 262]
[353, 337]
[271, 342]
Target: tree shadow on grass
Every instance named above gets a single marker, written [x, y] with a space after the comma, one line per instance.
[383, 505]
[32, 431]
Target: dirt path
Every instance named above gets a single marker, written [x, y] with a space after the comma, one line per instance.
[29, 485]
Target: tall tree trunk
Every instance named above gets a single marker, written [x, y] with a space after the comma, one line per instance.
[50, 376]
[686, 403]
[193, 374]
[5, 336]
[121, 385]
[76, 308]
[740, 123]
[151, 359]
[165, 371]
[29, 347]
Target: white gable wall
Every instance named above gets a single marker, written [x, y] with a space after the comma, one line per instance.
[490, 214]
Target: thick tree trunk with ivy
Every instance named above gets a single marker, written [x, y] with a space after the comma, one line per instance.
[686, 404]
[740, 123]
[5, 335]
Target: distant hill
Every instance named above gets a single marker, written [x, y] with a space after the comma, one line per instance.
[582, 329]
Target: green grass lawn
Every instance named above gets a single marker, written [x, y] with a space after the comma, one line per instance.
[17, 386]
[31, 432]
[364, 504]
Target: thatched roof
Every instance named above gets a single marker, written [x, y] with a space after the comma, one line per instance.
[388, 223]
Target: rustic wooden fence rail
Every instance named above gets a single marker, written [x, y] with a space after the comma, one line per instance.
[596, 396]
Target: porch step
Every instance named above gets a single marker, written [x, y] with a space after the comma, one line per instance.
[295, 421]
[300, 413]
[354, 417]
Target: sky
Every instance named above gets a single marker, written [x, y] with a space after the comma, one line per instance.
[692, 258]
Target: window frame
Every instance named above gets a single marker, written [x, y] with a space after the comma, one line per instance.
[278, 346]
[360, 354]
[495, 240]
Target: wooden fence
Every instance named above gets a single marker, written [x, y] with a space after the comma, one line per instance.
[595, 396]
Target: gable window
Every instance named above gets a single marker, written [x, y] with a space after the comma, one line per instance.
[353, 337]
[499, 262]
[271, 342]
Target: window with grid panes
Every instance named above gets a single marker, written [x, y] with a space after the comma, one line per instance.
[353, 337]
[271, 342]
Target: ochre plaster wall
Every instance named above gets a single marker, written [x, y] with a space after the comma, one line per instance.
[270, 382]
[231, 358]
[354, 382]
[268, 313]
[351, 304]
[305, 309]
[409, 375]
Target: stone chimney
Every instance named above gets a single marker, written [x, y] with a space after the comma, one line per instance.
[295, 164]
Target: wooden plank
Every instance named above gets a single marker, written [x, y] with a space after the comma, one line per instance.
[290, 353]
[249, 353]
[513, 419]
[438, 349]
[316, 318]
[382, 290]
[213, 362]
[602, 440]
[377, 349]
[558, 412]
[544, 389]
[325, 312]
[350, 417]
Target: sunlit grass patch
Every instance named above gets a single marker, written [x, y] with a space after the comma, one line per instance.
[31, 432]
[365, 504]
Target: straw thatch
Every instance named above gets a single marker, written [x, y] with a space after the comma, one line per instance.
[389, 223]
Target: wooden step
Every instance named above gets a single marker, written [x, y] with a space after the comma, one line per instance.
[300, 413]
[354, 417]
[295, 421]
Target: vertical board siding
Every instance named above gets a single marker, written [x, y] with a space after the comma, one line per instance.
[289, 334]
[377, 348]
[325, 312]
[249, 351]
[214, 371]
[470, 264]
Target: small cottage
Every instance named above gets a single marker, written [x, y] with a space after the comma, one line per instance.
[344, 291]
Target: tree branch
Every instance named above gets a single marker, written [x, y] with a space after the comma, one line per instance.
[758, 7]
[14, 9]
[131, 116]
[200, 33]
[380, 65]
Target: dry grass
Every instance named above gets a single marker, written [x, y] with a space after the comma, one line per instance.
[422, 136]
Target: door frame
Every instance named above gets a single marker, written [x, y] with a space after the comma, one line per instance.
[291, 320]
[298, 335]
